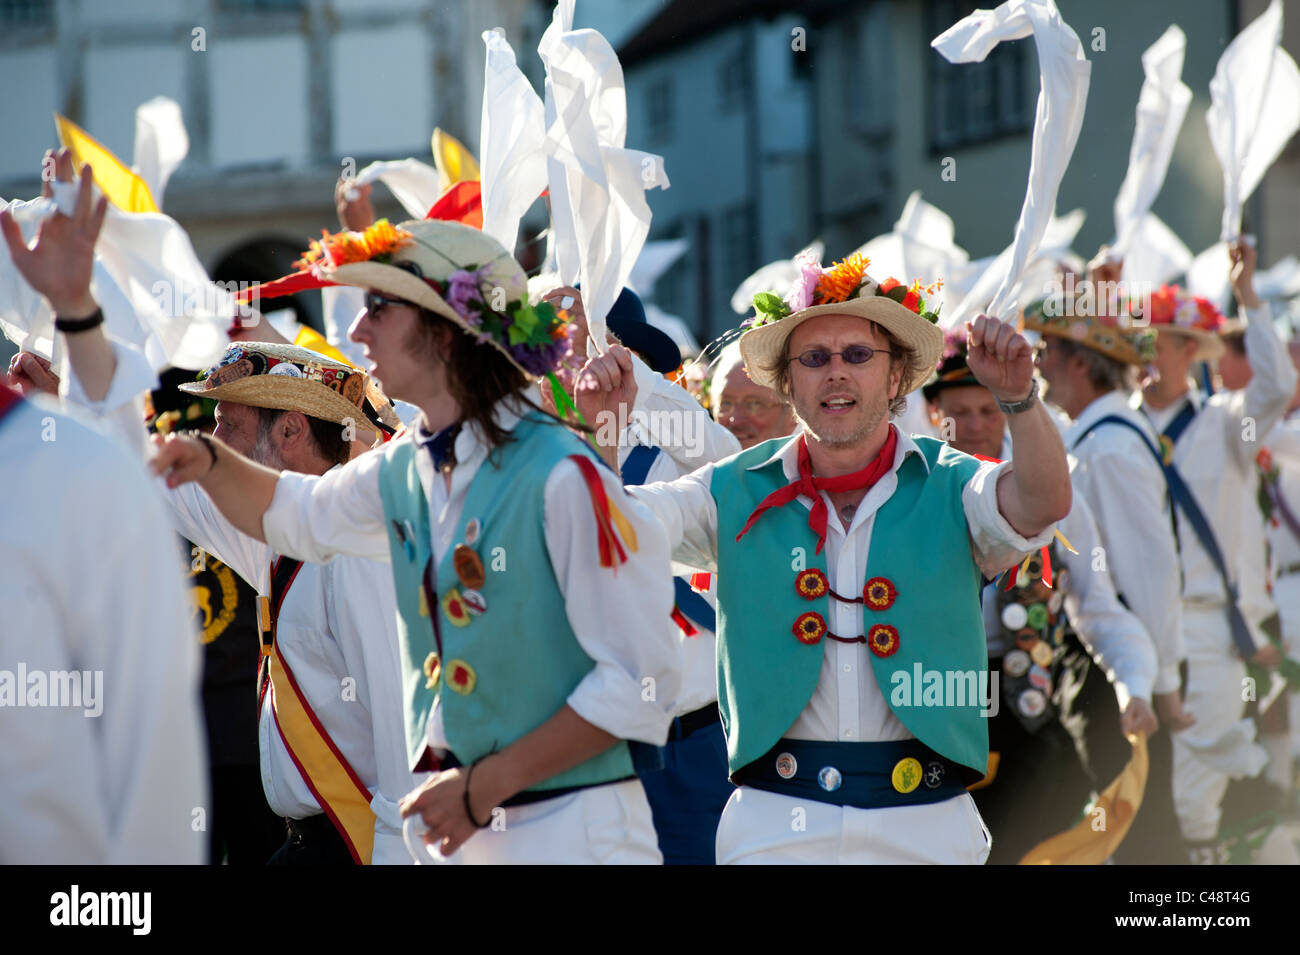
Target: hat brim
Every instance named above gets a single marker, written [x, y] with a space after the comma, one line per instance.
[1103, 340]
[286, 393]
[405, 285]
[763, 346]
[661, 352]
[1210, 345]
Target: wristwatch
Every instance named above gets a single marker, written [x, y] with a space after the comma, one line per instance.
[1024, 404]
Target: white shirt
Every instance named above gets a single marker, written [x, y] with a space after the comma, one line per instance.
[667, 412]
[618, 618]
[91, 580]
[847, 704]
[337, 631]
[1216, 457]
[1125, 489]
[1284, 545]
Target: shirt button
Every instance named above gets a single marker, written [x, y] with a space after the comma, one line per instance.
[848, 668]
[848, 734]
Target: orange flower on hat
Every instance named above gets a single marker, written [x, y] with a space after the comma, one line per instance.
[842, 279]
[811, 584]
[883, 640]
[343, 248]
[810, 627]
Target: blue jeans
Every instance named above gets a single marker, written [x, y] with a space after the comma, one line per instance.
[688, 794]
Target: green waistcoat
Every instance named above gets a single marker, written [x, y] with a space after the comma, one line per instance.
[919, 542]
[509, 669]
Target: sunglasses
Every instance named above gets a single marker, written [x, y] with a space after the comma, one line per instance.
[375, 301]
[821, 357]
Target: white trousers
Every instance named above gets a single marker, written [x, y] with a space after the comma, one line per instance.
[1203, 764]
[764, 828]
[601, 825]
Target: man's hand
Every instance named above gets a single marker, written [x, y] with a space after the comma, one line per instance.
[59, 266]
[31, 374]
[440, 803]
[1172, 714]
[1243, 257]
[575, 312]
[356, 213]
[1268, 656]
[180, 459]
[1138, 717]
[999, 357]
[605, 384]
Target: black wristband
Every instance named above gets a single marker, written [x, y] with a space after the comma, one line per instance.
[465, 795]
[212, 448]
[70, 326]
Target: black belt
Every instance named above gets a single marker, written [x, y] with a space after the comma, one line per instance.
[694, 721]
[530, 796]
[314, 829]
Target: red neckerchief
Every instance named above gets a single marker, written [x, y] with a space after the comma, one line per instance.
[809, 486]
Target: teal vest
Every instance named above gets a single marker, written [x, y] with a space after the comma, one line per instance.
[919, 542]
[510, 668]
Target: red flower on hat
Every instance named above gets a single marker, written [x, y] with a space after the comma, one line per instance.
[889, 284]
[883, 640]
[879, 593]
[810, 628]
[811, 584]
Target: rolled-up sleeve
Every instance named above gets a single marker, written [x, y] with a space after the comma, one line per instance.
[316, 518]
[620, 616]
[994, 542]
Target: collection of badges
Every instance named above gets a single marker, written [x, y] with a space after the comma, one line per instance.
[239, 363]
[460, 605]
[907, 776]
[1034, 627]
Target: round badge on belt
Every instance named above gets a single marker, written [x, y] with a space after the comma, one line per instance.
[474, 602]
[786, 766]
[1031, 703]
[1015, 663]
[829, 778]
[1014, 616]
[906, 775]
[1039, 677]
[1038, 617]
[1041, 654]
[469, 567]
[1026, 639]
[934, 774]
[1054, 601]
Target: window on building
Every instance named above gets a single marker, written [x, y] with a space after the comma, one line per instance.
[733, 81]
[974, 102]
[24, 13]
[659, 110]
[739, 247]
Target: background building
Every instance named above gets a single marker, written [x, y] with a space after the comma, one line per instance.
[780, 121]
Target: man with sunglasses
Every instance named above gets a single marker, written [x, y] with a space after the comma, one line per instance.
[849, 560]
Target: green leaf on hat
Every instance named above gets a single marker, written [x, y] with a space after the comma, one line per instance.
[771, 305]
[897, 293]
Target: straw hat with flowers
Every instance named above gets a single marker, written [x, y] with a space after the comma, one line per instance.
[843, 289]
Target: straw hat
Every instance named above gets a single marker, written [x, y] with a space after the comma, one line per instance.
[1175, 312]
[455, 271]
[1124, 343]
[289, 378]
[843, 289]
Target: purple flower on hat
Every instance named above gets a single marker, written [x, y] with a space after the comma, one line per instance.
[463, 288]
[800, 295]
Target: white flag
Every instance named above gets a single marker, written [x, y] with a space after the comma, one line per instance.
[512, 138]
[161, 143]
[1064, 74]
[1162, 106]
[1254, 111]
